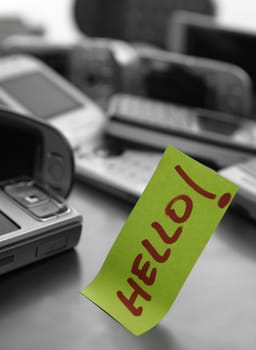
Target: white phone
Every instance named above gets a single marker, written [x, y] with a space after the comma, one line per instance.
[118, 169]
[30, 87]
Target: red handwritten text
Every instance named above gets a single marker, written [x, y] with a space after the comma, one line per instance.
[145, 273]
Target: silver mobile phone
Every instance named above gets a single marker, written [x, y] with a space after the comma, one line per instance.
[35, 178]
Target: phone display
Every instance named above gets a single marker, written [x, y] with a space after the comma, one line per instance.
[42, 97]
[22, 155]
[7, 225]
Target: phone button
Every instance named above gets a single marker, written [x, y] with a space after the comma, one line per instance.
[47, 210]
[26, 193]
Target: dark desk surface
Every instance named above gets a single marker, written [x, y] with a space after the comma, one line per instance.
[41, 306]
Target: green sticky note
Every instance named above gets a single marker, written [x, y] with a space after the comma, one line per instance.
[160, 241]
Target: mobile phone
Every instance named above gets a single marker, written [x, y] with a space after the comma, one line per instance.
[243, 174]
[212, 137]
[29, 86]
[118, 169]
[193, 81]
[35, 178]
[97, 67]
[202, 36]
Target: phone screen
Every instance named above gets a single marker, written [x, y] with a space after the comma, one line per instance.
[174, 82]
[7, 225]
[234, 47]
[19, 147]
[58, 60]
[40, 95]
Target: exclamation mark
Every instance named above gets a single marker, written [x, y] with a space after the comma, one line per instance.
[223, 200]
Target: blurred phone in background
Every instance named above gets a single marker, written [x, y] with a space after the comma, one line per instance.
[97, 67]
[202, 36]
[212, 137]
[103, 67]
[115, 168]
[192, 81]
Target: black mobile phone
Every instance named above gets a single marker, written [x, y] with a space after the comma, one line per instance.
[202, 36]
[215, 138]
[192, 81]
[35, 178]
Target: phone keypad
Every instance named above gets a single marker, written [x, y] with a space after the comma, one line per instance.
[127, 170]
[151, 113]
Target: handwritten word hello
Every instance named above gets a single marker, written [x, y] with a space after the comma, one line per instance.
[144, 271]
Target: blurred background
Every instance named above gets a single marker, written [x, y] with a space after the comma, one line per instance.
[147, 49]
[57, 16]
